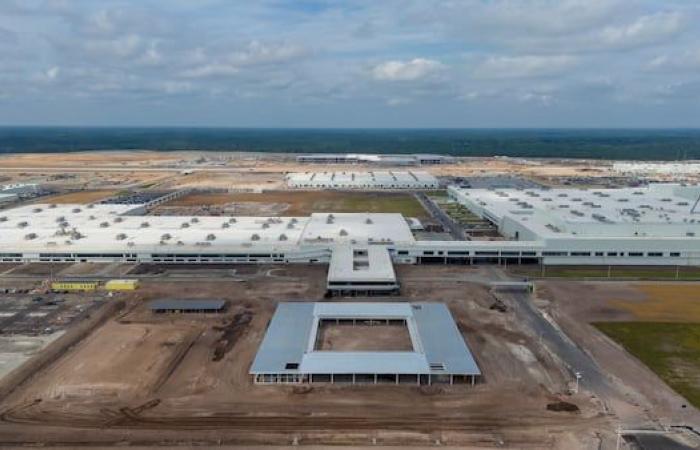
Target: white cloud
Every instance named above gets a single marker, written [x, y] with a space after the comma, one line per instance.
[252, 55]
[398, 101]
[645, 30]
[211, 70]
[414, 69]
[527, 66]
[53, 72]
[688, 60]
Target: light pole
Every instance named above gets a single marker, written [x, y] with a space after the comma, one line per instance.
[619, 437]
[578, 377]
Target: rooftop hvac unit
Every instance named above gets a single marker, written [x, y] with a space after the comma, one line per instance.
[145, 224]
[104, 224]
[255, 237]
[121, 236]
[211, 237]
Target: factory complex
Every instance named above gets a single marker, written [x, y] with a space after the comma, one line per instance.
[380, 160]
[363, 180]
[655, 225]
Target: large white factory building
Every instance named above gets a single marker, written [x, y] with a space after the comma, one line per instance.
[657, 225]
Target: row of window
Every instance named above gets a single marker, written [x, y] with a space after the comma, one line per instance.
[361, 283]
[505, 253]
[614, 254]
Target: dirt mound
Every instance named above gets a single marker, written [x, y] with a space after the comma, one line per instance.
[562, 406]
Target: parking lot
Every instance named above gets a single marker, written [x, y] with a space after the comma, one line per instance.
[32, 315]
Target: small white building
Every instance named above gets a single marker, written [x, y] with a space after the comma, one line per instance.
[361, 270]
[7, 198]
[19, 188]
[380, 160]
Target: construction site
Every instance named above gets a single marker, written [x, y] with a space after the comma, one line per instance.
[365, 346]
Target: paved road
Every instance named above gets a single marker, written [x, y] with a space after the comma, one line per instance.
[553, 337]
[438, 214]
[560, 344]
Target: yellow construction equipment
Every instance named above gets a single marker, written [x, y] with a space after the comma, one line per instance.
[122, 285]
[84, 286]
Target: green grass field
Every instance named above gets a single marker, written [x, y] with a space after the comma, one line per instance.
[631, 272]
[671, 350]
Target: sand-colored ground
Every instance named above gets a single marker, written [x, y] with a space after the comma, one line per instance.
[78, 197]
[231, 179]
[663, 302]
[144, 378]
[89, 158]
[361, 337]
[301, 203]
[577, 304]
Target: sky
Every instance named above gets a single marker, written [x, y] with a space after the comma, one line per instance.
[351, 63]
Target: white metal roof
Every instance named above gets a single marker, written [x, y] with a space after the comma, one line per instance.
[356, 264]
[369, 179]
[108, 228]
[7, 198]
[357, 228]
[660, 210]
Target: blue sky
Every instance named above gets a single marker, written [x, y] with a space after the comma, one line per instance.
[364, 63]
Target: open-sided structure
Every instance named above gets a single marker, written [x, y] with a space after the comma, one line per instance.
[292, 350]
[361, 270]
[202, 306]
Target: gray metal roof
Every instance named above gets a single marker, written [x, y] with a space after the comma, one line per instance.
[185, 304]
[436, 340]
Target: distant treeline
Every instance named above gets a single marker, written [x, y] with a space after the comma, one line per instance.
[675, 144]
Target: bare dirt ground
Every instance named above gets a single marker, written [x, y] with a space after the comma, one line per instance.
[267, 170]
[575, 305]
[296, 203]
[253, 180]
[89, 159]
[361, 337]
[78, 197]
[141, 379]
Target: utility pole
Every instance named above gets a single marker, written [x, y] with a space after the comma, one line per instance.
[578, 377]
[619, 437]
